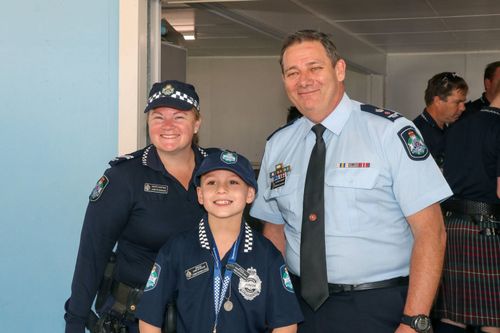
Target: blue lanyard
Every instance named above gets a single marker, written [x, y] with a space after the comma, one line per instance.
[220, 291]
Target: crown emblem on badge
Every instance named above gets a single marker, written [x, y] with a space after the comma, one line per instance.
[168, 90]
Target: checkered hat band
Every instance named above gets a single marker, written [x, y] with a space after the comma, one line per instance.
[176, 95]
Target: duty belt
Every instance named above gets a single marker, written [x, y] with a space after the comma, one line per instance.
[334, 288]
[470, 207]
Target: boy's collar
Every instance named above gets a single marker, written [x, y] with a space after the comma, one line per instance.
[205, 235]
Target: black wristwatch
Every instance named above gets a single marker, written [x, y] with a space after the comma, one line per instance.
[420, 323]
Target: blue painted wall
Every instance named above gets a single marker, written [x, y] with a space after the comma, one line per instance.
[58, 128]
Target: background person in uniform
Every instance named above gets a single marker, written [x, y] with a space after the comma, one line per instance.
[445, 96]
[293, 113]
[223, 262]
[142, 200]
[381, 190]
[491, 81]
[470, 290]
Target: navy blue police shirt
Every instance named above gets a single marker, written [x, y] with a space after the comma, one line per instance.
[263, 299]
[472, 162]
[434, 137]
[472, 107]
[138, 205]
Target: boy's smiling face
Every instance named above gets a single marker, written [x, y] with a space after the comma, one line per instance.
[224, 194]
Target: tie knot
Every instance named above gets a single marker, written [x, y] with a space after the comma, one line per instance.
[318, 129]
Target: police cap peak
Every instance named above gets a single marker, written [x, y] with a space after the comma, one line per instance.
[174, 94]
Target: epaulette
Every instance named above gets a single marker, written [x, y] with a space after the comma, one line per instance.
[126, 157]
[387, 114]
[282, 127]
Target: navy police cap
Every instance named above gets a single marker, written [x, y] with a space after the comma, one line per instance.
[227, 160]
[174, 94]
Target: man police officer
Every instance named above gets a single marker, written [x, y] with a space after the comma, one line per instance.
[382, 220]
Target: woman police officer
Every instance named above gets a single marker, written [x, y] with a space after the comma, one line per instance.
[140, 201]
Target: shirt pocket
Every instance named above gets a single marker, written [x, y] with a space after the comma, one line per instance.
[287, 197]
[351, 192]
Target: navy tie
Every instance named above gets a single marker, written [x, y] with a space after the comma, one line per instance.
[313, 276]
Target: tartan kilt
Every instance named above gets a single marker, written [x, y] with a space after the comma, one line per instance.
[470, 284]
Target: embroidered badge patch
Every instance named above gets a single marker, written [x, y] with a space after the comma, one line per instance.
[168, 90]
[252, 286]
[229, 157]
[413, 143]
[155, 188]
[99, 188]
[285, 279]
[153, 277]
[196, 270]
[278, 176]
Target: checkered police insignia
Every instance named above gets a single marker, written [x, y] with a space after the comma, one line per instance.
[229, 157]
[99, 188]
[153, 278]
[145, 155]
[202, 235]
[285, 279]
[413, 143]
[176, 95]
[202, 152]
[248, 245]
[278, 176]
[252, 286]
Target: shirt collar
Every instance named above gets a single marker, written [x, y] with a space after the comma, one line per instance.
[428, 118]
[150, 157]
[206, 239]
[337, 119]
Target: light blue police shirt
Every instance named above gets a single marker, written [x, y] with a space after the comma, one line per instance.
[374, 177]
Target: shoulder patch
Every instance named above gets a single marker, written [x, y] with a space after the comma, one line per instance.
[99, 188]
[282, 127]
[153, 278]
[126, 157]
[413, 143]
[285, 279]
[387, 114]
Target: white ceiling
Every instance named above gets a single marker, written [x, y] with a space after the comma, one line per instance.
[257, 27]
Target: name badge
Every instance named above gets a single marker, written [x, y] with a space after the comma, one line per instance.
[155, 188]
[238, 270]
[197, 270]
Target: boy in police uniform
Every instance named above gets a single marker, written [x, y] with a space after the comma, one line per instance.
[224, 276]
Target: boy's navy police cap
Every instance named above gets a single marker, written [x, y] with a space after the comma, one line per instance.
[227, 160]
[174, 94]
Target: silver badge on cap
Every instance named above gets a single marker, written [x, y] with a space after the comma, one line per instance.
[229, 157]
[252, 286]
[168, 90]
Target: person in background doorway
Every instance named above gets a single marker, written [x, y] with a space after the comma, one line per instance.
[470, 288]
[491, 81]
[445, 96]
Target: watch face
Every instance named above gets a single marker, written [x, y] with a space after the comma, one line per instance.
[422, 323]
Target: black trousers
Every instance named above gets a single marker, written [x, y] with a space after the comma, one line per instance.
[373, 311]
